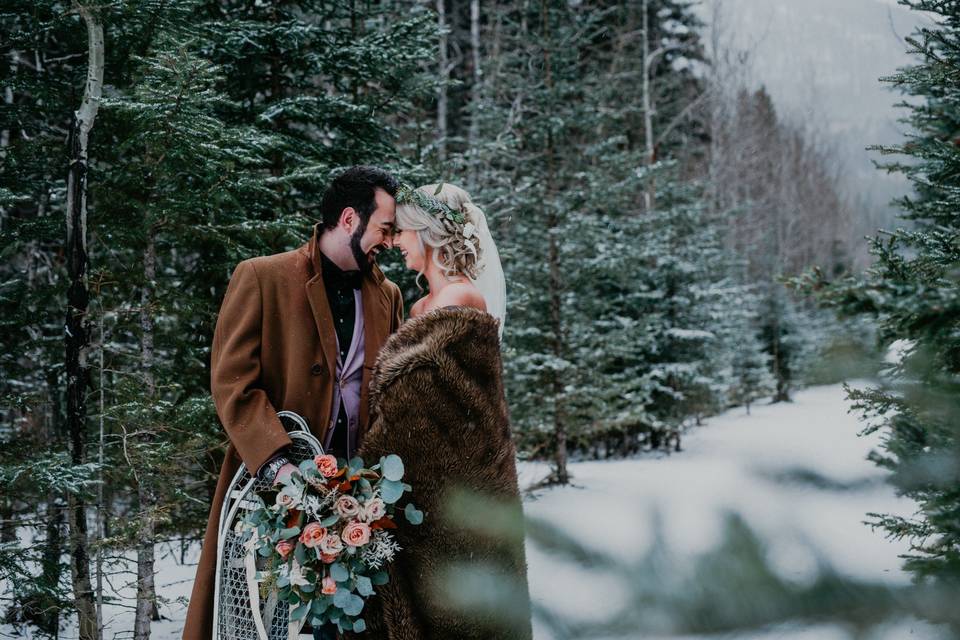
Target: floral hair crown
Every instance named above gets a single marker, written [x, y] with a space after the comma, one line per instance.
[408, 195]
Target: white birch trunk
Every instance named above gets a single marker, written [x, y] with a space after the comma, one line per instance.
[76, 339]
[647, 106]
[476, 94]
[444, 78]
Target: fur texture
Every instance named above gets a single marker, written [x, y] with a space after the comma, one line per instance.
[437, 400]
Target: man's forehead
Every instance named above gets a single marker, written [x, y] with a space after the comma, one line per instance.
[384, 216]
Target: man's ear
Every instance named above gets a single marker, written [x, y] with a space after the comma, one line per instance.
[348, 219]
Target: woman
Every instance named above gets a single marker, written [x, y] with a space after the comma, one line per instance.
[436, 400]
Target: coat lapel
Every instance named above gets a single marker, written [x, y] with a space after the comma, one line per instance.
[317, 295]
[376, 321]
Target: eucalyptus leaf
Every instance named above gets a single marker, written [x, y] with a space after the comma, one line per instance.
[299, 612]
[319, 606]
[339, 572]
[354, 605]
[414, 515]
[391, 491]
[355, 465]
[364, 586]
[341, 598]
[392, 467]
[359, 626]
[289, 532]
[330, 520]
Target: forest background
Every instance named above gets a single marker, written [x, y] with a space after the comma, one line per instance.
[649, 203]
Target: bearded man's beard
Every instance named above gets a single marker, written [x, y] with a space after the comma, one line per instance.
[363, 261]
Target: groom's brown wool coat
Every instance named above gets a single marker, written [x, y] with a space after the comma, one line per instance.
[274, 348]
[437, 400]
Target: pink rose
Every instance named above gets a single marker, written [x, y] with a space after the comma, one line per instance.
[356, 534]
[328, 558]
[326, 465]
[312, 534]
[373, 510]
[284, 547]
[286, 500]
[329, 586]
[331, 545]
[347, 506]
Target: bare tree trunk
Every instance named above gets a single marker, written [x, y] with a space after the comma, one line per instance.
[476, 94]
[561, 473]
[650, 158]
[101, 511]
[444, 78]
[47, 616]
[146, 590]
[76, 339]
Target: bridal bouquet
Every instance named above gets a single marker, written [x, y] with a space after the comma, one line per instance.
[326, 539]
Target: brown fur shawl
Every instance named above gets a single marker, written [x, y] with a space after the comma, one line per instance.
[437, 401]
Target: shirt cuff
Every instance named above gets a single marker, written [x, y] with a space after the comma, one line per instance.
[262, 471]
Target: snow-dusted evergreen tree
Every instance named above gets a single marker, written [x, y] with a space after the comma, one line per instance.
[330, 78]
[187, 184]
[47, 54]
[195, 167]
[913, 290]
[617, 328]
[752, 377]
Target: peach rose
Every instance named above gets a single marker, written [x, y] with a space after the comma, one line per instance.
[347, 506]
[284, 547]
[356, 534]
[331, 544]
[326, 465]
[329, 586]
[328, 558]
[373, 509]
[312, 534]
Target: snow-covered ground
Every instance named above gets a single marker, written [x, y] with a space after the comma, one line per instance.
[734, 462]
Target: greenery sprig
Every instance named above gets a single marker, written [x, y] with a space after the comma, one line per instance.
[408, 195]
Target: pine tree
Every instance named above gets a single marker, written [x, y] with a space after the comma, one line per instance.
[196, 163]
[912, 291]
[563, 172]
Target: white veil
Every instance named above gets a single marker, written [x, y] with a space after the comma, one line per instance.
[490, 280]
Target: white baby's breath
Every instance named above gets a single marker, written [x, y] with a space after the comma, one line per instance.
[380, 550]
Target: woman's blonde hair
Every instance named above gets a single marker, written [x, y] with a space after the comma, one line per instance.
[456, 247]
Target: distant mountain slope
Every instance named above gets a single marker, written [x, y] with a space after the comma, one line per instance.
[821, 60]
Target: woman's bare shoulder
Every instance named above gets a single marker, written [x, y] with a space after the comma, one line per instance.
[418, 307]
[460, 294]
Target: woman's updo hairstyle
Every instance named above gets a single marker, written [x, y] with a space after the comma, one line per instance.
[456, 247]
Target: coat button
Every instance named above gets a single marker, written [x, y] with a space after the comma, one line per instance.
[316, 369]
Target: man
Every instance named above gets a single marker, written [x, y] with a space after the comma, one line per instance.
[300, 331]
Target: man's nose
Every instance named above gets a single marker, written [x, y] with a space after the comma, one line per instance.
[388, 242]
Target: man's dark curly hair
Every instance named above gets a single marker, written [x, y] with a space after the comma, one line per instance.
[356, 187]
